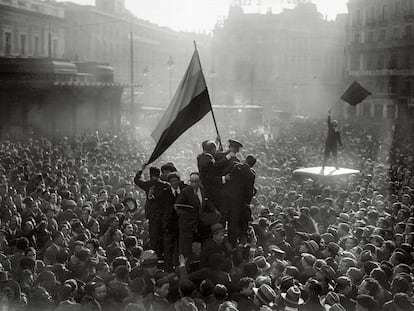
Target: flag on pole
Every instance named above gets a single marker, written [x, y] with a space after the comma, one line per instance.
[355, 94]
[190, 104]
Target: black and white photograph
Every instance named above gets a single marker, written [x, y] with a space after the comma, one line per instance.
[206, 155]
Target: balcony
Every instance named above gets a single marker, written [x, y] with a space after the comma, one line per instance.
[382, 72]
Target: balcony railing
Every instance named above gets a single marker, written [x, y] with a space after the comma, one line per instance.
[382, 72]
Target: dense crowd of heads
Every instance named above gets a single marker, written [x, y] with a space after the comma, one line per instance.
[74, 235]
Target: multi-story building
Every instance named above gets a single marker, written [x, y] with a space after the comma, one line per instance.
[291, 61]
[160, 55]
[380, 42]
[31, 28]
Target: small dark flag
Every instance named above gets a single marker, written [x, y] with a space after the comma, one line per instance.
[355, 94]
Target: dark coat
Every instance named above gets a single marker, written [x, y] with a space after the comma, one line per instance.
[242, 182]
[209, 248]
[156, 195]
[170, 217]
[334, 136]
[210, 175]
[188, 197]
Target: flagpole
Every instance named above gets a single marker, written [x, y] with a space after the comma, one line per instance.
[212, 111]
[334, 105]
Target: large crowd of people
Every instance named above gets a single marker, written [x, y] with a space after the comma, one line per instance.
[84, 228]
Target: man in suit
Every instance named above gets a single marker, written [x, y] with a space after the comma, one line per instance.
[240, 192]
[210, 172]
[155, 191]
[332, 141]
[190, 228]
[170, 221]
[227, 161]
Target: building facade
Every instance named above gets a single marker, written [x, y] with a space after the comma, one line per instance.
[291, 61]
[31, 28]
[380, 42]
[160, 55]
[66, 98]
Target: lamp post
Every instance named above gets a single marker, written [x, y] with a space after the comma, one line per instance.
[212, 74]
[170, 66]
[145, 73]
[295, 91]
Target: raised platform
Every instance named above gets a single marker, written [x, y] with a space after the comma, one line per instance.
[329, 171]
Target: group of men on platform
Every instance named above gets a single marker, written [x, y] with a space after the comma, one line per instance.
[217, 196]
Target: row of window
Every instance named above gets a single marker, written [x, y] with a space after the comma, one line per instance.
[382, 12]
[380, 61]
[405, 32]
[23, 46]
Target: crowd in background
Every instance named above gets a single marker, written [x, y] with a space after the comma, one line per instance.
[74, 233]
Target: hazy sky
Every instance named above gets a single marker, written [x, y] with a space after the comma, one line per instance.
[200, 15]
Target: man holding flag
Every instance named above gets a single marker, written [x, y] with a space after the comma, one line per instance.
[190, 104]
[354, 95]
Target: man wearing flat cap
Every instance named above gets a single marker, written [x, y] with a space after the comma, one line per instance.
[155, 191]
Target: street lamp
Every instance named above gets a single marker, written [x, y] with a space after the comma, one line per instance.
[212, 74]
[145, 73]
[170, 66]
[295, 88]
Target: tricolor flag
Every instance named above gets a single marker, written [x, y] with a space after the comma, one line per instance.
[355, 94]
[190, 104]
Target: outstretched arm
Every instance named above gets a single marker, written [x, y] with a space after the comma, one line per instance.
[329, 119]
[139, 181]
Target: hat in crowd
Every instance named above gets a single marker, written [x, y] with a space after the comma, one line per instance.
[265, 212]
[263, 279]
[343, 217]
[312, 246]
[337, 307]
[277, 252]
[333, 247]
[293, 296]
[328, 237]
[330, 299]
[149, 258]
[235, 143]
[261, 263]
[286, 282]
[309, 258]
[217, 228]
[403, 302]
[265, 294]
[367, 302]
[328, 272]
